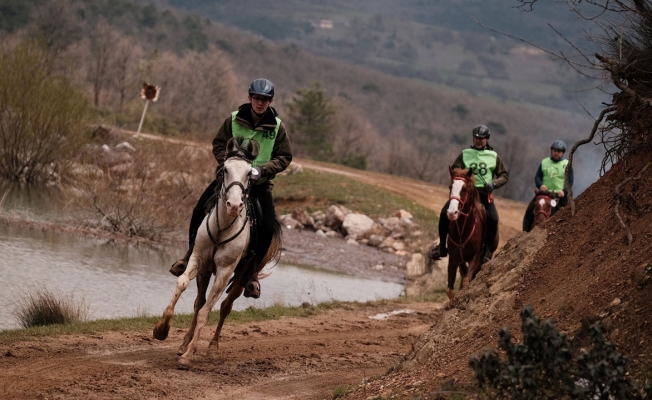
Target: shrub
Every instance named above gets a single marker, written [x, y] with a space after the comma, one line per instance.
[42, 117]
[545, 366]
[41, 306]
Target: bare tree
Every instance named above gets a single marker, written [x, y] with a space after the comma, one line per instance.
[124, 69]
[103, 46]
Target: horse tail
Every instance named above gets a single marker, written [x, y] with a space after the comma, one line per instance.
[275, 247]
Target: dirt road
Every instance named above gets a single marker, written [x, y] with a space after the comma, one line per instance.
[290, 358]
[427, 195]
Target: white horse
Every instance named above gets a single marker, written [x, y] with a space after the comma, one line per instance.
[221, 243]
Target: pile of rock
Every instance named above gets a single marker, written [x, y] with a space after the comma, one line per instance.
[396, 234]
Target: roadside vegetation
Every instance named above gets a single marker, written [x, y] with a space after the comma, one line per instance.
[40, 307]
[182, 321]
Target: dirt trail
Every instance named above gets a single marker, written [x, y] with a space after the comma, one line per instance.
[290, 358]
[427, 195]
[423, 193]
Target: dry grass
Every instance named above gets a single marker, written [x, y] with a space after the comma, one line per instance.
[41, 306]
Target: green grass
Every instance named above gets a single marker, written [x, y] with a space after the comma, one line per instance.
[182, 321]
[340, 391]
[317, 190]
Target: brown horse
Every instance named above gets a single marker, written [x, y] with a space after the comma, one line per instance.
[467, 229]
[221, 245]
[544, 207]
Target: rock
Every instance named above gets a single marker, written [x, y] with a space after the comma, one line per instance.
[416, 266]
[352, 242]
[289, 222]
[303, 217]
[403, 214]
[398, 246]
[334, 234]
[335, 217]
[125, 146]
[375, 240]
[377, 230]
[318, 216]
[356, 224]
[616, 302]
[320, 233]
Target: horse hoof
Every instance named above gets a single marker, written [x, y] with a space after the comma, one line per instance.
[184, 361]
[212, 350]
[178, 268]
[252, 289]
[161, 331]
[182, 349]
[450, 293]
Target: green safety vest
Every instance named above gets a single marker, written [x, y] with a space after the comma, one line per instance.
[553, 173]
[265, 139]
[483, 163]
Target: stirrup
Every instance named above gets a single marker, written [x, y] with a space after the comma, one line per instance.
[252, 289]
[437, 253]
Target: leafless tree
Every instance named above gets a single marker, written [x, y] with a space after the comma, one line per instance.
[124, 69]
[103, 46]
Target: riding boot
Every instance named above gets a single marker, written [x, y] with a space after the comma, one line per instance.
[179, 267]
[439, 252]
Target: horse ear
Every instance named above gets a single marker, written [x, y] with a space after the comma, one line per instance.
[231, 145]
[469, 173]
[254, 148]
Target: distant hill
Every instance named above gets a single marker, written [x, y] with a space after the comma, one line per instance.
[437, 41]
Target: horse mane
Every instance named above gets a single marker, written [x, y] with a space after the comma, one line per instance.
[470, 187]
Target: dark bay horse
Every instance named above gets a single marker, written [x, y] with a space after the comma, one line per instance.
[222, 244]
[544, 207]
[467, 229]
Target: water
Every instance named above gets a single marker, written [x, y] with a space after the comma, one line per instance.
[122, 280]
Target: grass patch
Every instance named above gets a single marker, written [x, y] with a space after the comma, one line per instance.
[340, 391]
[182, 321]
[41, 306]
[317, 190]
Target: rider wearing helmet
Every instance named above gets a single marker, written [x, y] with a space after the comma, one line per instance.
[550, 178]
[255, 120]
[490, 173]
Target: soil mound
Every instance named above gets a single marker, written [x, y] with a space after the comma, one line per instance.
[574, 269]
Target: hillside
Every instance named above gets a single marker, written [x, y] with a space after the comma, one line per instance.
[573, 275]
[438, 42]
[407, 127]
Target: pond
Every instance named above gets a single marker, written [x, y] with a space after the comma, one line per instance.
[123, 280]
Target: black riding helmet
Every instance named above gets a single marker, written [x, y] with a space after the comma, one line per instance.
[262, 87]
[482, 132]
[558, 145]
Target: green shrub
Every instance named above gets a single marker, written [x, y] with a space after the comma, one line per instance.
[41, 307]
[545, 366]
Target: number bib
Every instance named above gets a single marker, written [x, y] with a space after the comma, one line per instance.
[483, 163]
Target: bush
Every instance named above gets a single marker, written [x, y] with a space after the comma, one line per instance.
[545, 366]
[40, 307]
[42, 117]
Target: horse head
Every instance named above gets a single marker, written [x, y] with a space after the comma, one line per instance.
[462, 190]
[236, 171]
[544, 203]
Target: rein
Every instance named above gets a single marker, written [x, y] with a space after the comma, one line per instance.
[457, 221]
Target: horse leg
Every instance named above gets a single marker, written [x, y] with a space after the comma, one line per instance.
[452, 275]
[221, 279]
[464, 275]
[162, 328]
[225, 310]
[203, 280]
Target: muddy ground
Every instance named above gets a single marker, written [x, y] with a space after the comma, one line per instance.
[291, 358]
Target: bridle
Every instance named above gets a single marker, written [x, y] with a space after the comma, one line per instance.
[542, 211]
[462, 202]
[222, 195]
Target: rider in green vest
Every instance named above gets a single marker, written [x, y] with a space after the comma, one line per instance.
[490, 173]
[550, 178]
[258, 121]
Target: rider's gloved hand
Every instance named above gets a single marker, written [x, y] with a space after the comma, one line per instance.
[489, 187]
[543, 188]
[560, 193]
[256, 173]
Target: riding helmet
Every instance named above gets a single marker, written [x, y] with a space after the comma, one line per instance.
[558, 145]
[262, 87]
[482, 132]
